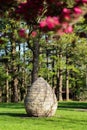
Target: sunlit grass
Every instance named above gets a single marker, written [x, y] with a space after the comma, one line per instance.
[69, 116]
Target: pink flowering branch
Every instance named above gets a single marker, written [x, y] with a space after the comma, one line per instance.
[52, 15]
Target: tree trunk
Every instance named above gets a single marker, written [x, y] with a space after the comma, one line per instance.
[19, 69]
[53, 77]
[7, 87]
[23, 89]
[15, 89]
[47, 63]
[0, 94]
[60, 76]
[53, 68]
[86, 77]
[14, 82]
[35, 61]
[67, 79]
[67, 84]
[60, 85]
[57, 85]
[7, 73]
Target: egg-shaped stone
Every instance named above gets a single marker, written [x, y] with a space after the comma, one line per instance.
[40, 99]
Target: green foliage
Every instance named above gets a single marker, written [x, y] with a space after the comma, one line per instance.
[70, 3]
[3, 76]
[82, 95]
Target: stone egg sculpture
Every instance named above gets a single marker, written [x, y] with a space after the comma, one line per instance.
[40, 100]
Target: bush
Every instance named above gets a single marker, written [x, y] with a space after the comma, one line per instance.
[83, 95]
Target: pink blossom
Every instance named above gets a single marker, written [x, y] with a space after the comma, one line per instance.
[69, 29]
[77, 10]
[22, 33]
[78, 1]
[43, 23]
[56, 20]
[64, 25]
[49, 22]
[52, 22]
[67, 11]
[67, 17]
[33, 34]
[60, 32]
[84, 1]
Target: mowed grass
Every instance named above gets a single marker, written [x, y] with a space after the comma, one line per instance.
[69, 116]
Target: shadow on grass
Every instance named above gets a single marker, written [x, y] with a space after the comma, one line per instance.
[68, 120]
[12, 105]
[73, 105]
[14, 114]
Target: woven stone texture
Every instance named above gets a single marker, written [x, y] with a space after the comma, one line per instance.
[40, 99]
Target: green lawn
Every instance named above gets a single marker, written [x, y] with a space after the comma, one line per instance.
[69, 116]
